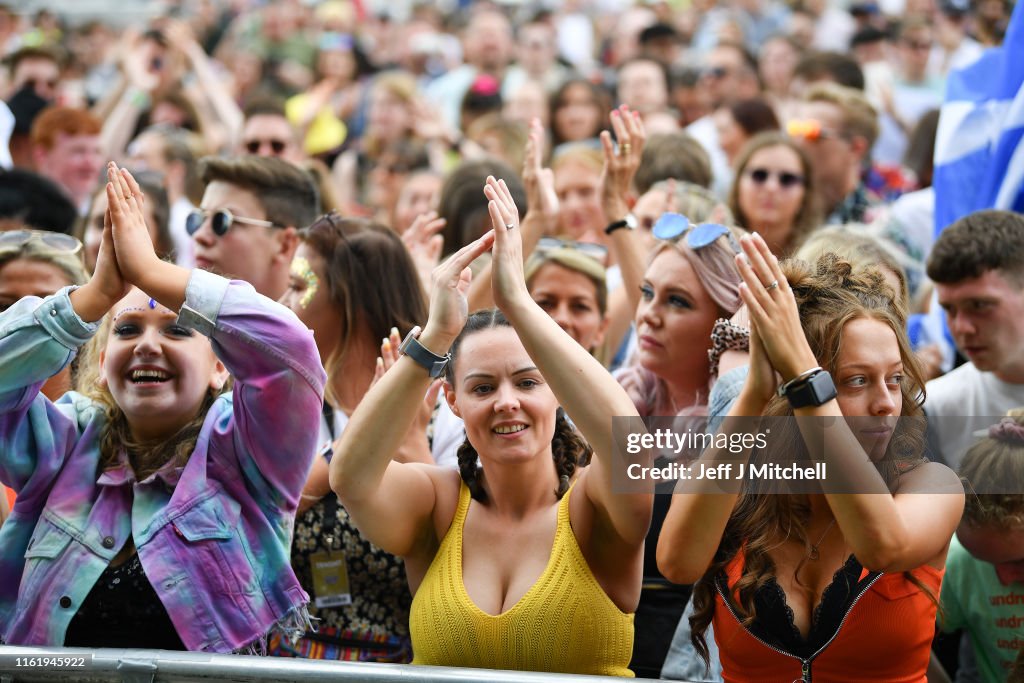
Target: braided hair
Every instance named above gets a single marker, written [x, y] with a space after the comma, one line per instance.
[568, 449]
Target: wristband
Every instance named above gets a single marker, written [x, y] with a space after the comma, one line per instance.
[434, 364]
[628, 222]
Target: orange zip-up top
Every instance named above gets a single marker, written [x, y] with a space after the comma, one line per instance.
[564, 623]
[869, 627]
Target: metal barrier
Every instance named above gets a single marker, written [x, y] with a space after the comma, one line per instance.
[44, 664]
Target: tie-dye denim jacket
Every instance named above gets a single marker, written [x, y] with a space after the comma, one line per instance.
[213, 536]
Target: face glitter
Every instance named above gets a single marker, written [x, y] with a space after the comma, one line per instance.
[302, 270]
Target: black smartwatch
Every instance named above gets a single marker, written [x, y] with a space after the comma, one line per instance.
[812, 388]
[628, 222]
[434, 364]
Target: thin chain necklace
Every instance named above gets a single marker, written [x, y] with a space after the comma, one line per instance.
[814, 555]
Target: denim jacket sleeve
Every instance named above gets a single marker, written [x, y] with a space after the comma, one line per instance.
[279, 383]
[38, 337]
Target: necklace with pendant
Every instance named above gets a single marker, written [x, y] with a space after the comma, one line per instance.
[813, 555]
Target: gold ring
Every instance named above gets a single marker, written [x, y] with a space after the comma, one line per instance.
[625, 147]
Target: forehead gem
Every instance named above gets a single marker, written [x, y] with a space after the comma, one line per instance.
[152, 303]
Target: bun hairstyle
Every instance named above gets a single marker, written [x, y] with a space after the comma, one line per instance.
[568, 449]
[996, 464]
[829, 292]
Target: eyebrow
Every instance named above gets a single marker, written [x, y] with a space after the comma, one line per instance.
[485, 375]
[868, 366]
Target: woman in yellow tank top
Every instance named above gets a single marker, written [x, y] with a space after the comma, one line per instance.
[528, 561]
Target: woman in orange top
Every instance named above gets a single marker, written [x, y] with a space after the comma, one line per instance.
[840, 580]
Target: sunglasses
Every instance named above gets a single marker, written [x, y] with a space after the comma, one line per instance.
[276, 146]
[810, 130]
[597, 252]
[56, 241]
[785, 178]
[715, 72]
[673, 226]
[221, 221]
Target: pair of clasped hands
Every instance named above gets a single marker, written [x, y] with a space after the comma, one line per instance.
[126, 256]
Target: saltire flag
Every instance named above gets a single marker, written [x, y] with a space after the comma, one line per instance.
[979, 158]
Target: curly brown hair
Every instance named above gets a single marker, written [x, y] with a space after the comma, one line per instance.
[829, 294]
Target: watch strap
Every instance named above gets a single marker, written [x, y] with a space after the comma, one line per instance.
[629, 221]
[816, 390]
[434, 364]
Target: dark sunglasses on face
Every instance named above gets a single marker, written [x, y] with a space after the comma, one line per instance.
[716, 72]
[57, 241]
[276, 146]
[221, 221]
[595, 251]
[785, 178]
[673, 226]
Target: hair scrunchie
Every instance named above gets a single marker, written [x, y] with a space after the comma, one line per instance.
[1008, 431]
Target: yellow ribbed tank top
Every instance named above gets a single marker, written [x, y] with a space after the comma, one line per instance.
[564, 623]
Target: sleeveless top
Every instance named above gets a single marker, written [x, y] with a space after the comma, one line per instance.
[869, 626]
[564, 623]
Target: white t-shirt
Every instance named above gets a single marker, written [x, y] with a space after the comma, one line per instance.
[963, 394]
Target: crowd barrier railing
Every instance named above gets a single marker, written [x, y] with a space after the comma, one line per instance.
[45, 664]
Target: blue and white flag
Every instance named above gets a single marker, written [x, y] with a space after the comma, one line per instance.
[979, 158]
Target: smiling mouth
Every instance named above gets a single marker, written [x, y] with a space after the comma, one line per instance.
[509, 429]
[149, 377]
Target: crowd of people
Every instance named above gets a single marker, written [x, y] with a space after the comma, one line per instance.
[319, 323]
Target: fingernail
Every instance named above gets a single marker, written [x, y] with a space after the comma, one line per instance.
[394, 331]
[380, 362]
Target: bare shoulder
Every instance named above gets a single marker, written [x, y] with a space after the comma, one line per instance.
[447, 483]
[931, 478]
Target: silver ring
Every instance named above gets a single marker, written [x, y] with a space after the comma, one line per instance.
[771, 285]
[509, 226]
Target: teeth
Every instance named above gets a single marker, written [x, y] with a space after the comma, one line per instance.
[509, 429]
[158, 375]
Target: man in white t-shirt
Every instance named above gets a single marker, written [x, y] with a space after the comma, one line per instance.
[977, 265]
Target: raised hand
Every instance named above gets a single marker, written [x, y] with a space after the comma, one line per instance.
[620, 164]
[424, 243]
[415, 447]
[449, 306]
[539, 182]
[772, 308]
[508, 283]
[131, 239]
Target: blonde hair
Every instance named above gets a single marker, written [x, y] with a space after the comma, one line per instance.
[860, 250]
[35, 250]
[996, 463]
[145, 458]
[859, 117]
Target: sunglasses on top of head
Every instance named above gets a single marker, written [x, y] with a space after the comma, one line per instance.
[595, 251]
[55, 241]
[674, 226]
[221, 221]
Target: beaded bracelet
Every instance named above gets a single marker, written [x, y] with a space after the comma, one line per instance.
[726, 336]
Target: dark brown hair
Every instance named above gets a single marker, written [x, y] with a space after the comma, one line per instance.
[977, 243]
[675, 155]
[371, 279]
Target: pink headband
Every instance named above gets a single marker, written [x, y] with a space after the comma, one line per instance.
[1008, 431]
